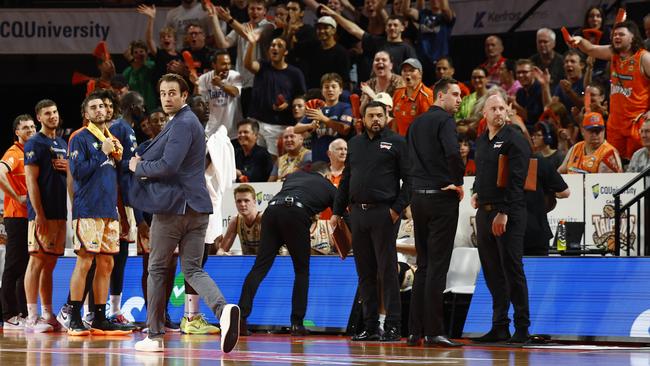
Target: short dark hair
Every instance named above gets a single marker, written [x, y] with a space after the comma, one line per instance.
[110, 95]
[397, 17]
[525, 61]
[481, 68]
[193, 24]
[174, 78]
[442, 85]
[217, 53]
[373, 104]
[138, 44]
[448, 59]
[637, 41]
[300, 3]
[44, 103]
[21, 118]
[97, 94]
[331, 76]
[128, 100]
[255, 126]
[572, 52]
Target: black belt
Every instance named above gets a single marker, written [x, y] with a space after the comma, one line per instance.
[431, 191]
[368, 206]
[287, 202]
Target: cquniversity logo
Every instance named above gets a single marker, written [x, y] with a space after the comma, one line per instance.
[478, 20]
[595, 189]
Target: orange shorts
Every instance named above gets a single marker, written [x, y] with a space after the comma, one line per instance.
[52, 242]
[96, 235]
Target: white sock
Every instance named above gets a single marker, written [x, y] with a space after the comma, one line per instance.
[86, 311]
[46, 311]
[191, 306]
[32, 311]
[382, 319]
[115, 301]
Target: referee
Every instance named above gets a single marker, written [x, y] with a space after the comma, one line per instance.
[287, 221]
[501, 221]
[376, 162]
[436, 178]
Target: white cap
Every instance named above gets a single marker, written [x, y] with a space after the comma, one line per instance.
[327, 20]
[384, 98]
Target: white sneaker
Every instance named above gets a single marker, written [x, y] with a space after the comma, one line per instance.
[37, 325]
[64, 316]
[150, 345]
[88, 319]
[229, 323]
[15, 323]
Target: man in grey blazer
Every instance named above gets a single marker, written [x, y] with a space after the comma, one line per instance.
[169, 182]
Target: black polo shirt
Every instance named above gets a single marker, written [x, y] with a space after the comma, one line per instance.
[373, 170]
[257, 166]
[510, 142]
[310, 189]
[434, 151]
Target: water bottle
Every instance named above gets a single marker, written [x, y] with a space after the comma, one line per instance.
[561, 237]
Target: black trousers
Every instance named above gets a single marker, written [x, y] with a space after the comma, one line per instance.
[12, 292]
[281, 225]
[503, 268]
[435, 217]
[375, 256]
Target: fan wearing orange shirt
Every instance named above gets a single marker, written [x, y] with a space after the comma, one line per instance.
[412, 100]
[630, 84]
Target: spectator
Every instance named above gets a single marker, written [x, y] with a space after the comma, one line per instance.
[641, 158]
[630, 74]
[557, 115]
[465, 144]
[392, 42]
[198, 47]
[545, 143]
[293, 159]
[189, 12]
[594, 21]
[298, 35]
[435, 25]
[325, 55]
[594, 154]
[253, 162]
[528, 101]
[384, 80]
[247, 224]
[546, 58]
[167, 52]
[331, 121]
[411, 100]
[508, 81]
[445, 69]
[494, 59]
[570, 90]
[140, 75]
[119, 85]
[337, 152]
[276, 82]
[263, 29]
[598, 100]
[221, 87]
[479, 84]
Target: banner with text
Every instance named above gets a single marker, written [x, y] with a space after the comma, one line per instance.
[72, 31]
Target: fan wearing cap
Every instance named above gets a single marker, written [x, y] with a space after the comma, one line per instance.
[411, 100]
[594, 154]
[324, 55]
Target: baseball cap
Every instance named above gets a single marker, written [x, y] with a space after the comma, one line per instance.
[327, 20]
[593, 120]
[384, 98]
[414, 62]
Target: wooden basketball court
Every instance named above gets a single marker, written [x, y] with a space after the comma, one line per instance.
[18, 348]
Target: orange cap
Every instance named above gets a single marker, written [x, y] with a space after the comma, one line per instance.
[593, 120]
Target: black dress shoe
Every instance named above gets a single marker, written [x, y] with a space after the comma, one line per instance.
[366, 336]
[496, 334]
[391, 335]
[413, 340]
[299, 330]
[440, 341]
[521, 336]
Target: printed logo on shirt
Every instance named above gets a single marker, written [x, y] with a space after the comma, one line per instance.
[385, 145]
[96, 145]
[498, 144]
[29, 154]
[74, 154]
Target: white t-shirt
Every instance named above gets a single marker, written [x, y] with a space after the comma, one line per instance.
[260, 51]
[224, 108]
[179, 18]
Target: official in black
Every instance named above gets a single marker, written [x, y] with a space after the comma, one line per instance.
[287, 221]
[501, 221]
[376, 162]
[550, 186]
[436, 180]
